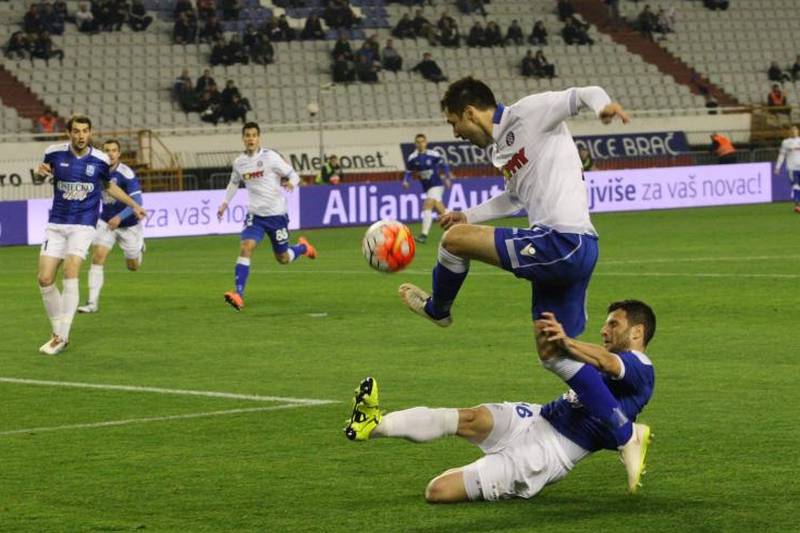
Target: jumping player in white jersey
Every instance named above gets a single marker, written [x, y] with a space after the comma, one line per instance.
[531, 143]
[265, 174]
[528, 446]
[790, 152]
[117, 224]
[79, 172]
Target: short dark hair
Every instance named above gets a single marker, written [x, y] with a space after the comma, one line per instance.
[80, 119]
[113, 141]
[467, 91]
[418, 135]
[638, 313]
[251, 126]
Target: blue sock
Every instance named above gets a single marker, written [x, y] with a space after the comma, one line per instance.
[446, 285]
[796, 195]
[597, 399]
[296, 251]
[241, 271]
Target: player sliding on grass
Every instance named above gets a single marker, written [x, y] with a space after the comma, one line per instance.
[264, 172]
[526, 445]
[532, 145]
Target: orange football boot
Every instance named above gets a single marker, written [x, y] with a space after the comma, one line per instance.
[311, 252]
[235, 300]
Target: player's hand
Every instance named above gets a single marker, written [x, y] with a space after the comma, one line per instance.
[44, 170]
[114, 222]
[552, 328]
[140, 213]
[613, 110]
[221, 211]
[451, 218]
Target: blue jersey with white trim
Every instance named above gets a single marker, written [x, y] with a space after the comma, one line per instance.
[632, 389]
[428, 167]
[77, 184]
[126, 178]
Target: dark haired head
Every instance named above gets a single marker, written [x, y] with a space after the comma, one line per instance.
[79, 119]
[113, 141]
[638, 314]
[251, 126]
[467, 92]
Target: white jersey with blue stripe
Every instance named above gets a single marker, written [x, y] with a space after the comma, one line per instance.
[262, 173]
[790, 151]
[77, 184]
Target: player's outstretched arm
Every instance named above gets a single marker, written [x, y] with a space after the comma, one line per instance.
[585, 352]
[499, 206]
[116, 192]
[44, 170]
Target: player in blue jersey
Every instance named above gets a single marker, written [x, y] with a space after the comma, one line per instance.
[527, 446]
[117, 224]
[79, 173]
[428, 166]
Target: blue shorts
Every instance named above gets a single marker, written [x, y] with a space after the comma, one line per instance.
[559, 267]
[277, 227]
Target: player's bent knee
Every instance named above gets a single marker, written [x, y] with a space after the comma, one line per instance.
[45, 280]
[446, 488]
[283, 258]
[133, 266]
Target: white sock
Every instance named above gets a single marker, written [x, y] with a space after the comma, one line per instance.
[52, 305]
[69, 304]
[291, 254]
[95, 283]
[427, 220]
[418, 424]
[452, 262]
[563, 367]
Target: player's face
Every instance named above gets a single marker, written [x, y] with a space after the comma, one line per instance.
[421, 143]
[616, 332]
[80, 135]
[465, 126]
[112, 151]
[795, 131]
[251, 139]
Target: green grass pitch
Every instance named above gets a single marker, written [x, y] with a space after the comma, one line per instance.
[725, 284]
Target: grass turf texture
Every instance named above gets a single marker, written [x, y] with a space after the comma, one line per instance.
[724, 283]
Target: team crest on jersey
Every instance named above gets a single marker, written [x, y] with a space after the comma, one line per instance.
[260, 163]
[510, 138]
[90, 170]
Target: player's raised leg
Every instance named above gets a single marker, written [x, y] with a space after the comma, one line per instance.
[460, 244]
[51, 296]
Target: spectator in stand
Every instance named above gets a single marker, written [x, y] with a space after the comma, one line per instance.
[17, 46]
[543, 68]
[444, 19]
[206, 9]
[776, 101]
[666, 20]
[514, 34]
[449, 35]
[231, 9]
[43, 49]
[565, 10]
[339, 15]
[205, 81]
[404, 28]
[183, 32]
[211, 31]
[716, 4]
[209, 111]
[575, 32]
[84, 19]
[538, 35]
[423, 28]
[343, 69]
[342, 48]
[60, 8]
[429, 69]
[776, 73]
[795, 69]
[313, 29]
[587, 163]
[331, 172]
[528, 67]
[52, 22]
[236, 52]
[47, 123]
[31, 22]
[722, 147]
[287, 32]
[231, 92]
[469, 7]
[235, 110]
[181, 85]
[493, 35]
[372, 43]
[119, 13]
[101, 9]
[391, 60]
[366, 70]
[139, 20]
[477, 35]
[182, 6]
[258, 46]
[368, 52]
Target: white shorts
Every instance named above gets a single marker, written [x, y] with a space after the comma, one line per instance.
[523, 454]
[61, 240]
[435, 193]
[131, 238]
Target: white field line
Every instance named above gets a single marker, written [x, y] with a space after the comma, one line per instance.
[158, 390]
[131, 421]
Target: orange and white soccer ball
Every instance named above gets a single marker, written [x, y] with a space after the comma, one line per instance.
[388, 246]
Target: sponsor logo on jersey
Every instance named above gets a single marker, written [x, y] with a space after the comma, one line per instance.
[253, 175]
[64, 165]
[75, 190]
[510, 138]
[516, 162]
[90, 170]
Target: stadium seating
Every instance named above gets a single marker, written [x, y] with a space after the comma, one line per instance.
[124, 78]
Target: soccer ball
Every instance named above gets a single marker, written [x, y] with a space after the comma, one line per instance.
[388, 246]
